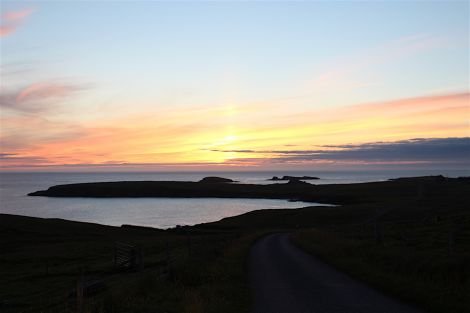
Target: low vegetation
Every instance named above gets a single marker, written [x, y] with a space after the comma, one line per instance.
[185, 269]
[409, 238]
[413, 261]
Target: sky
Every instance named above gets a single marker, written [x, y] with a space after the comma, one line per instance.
[240, 85]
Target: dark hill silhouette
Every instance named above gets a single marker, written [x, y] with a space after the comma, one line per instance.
[409, 188]
[214, 179]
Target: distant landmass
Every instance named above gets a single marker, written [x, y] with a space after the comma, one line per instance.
[213, 179]
[216, 187]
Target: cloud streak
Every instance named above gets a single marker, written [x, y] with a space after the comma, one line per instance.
[429, 150]
[37, 97]
[343, 75]
[11, 20]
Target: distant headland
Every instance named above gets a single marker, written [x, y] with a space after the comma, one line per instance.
[297, 190]
[214, 179]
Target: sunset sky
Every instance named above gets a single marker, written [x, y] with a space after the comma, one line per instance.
[107, 85]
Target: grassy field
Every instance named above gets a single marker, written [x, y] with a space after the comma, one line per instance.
[185, 270]
[410, 239]
[417, 249]
[413, 261]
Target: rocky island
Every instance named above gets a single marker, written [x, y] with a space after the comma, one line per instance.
[214, 179]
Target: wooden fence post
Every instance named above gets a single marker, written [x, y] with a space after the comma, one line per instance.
[115, 256]
[451, 241]
[454, 229]
[140, 259]
[188, 244]
[80, 293]
[378, 232]
[167, 252]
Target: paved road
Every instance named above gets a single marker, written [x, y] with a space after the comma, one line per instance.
[285, 279]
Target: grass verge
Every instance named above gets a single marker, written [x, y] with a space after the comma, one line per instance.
[420, 269]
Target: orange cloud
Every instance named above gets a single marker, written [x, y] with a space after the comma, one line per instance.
[11, 20]
[213, 136]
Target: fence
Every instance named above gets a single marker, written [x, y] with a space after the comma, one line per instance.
[127, 257]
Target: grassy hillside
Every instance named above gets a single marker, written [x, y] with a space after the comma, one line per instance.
[407, 237]
[424, 261]
[42, 260]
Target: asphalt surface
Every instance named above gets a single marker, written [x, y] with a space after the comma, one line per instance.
[284, 279]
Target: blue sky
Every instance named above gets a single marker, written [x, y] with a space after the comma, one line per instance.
[260, 49]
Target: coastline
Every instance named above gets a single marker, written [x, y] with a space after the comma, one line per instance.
[293, 190]
[198, 266]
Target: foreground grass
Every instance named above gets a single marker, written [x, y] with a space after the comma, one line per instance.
[204, 269]
[225, 288]
[186, 270]
[197, 284]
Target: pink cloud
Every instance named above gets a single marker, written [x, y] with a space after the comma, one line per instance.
[11, 20]
[6, 30]
[33, 97]
[13, 16]
[42, 91]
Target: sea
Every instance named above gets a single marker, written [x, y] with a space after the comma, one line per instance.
[163, 212]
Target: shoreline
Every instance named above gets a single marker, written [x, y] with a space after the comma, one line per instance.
[367, 237]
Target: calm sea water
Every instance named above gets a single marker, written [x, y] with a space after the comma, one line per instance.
[158, 212]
